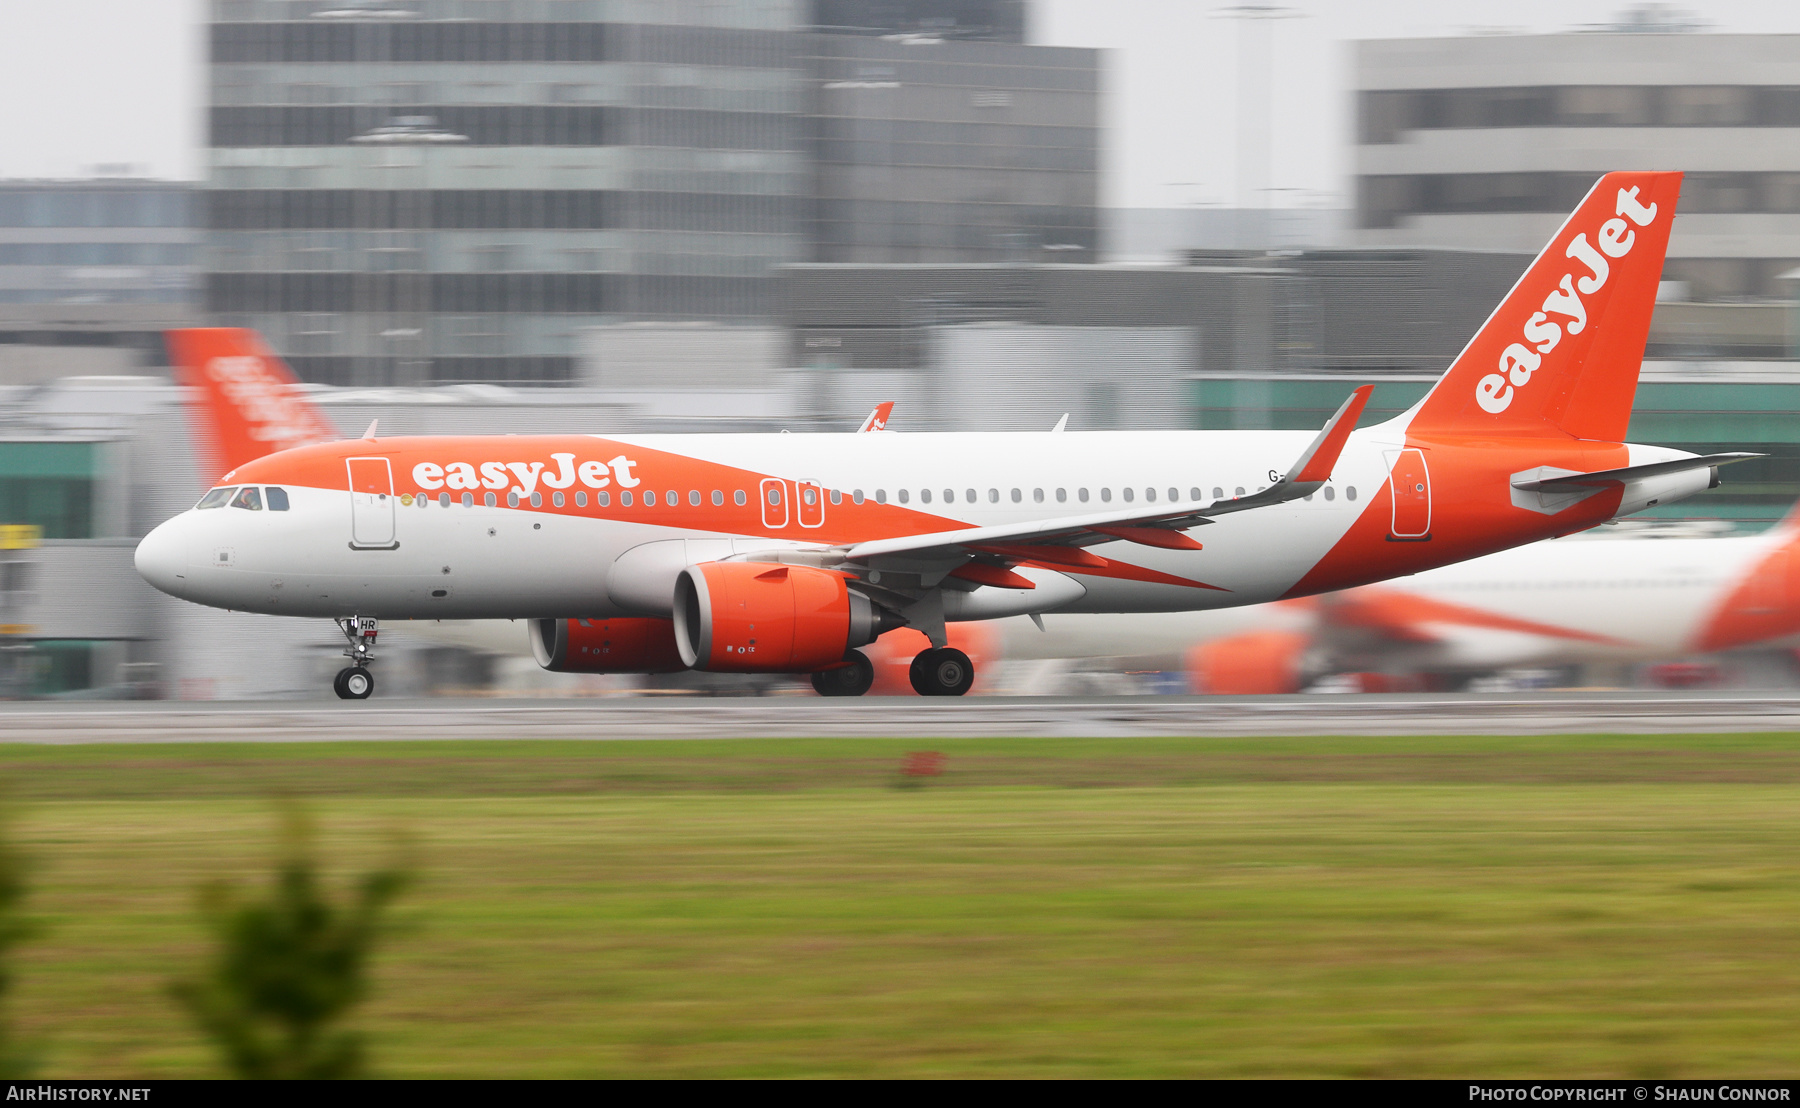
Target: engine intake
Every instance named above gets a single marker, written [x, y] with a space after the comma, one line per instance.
[605, 645]
[754, 617]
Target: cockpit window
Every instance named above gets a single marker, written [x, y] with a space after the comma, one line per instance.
[278, 501]
[249, 497]
[217, 498]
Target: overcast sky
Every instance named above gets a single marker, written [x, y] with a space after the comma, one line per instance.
[108, 81]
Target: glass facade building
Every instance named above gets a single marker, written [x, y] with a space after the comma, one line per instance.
[1487, 142]
[106, 261]
[449, 190]
[958, 152]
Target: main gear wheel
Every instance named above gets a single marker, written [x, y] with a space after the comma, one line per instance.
[942, 671]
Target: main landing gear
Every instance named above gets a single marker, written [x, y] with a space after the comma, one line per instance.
[853, 678]
[356, 682]
[942, 671]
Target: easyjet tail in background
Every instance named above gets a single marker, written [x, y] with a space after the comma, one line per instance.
[789, 553]
[243, 400]
[1572, 602]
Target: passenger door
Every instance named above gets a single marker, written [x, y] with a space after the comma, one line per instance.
[1410, 483]
[371, 504]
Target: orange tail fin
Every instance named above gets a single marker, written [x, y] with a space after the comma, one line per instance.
[1561, 354]
[243, 403]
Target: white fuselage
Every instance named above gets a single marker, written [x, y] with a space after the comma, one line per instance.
[523, 562]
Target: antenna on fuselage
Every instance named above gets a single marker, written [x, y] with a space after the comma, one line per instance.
[370, 433]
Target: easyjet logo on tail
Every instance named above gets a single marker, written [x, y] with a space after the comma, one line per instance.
[1564, 310]
[271, 414]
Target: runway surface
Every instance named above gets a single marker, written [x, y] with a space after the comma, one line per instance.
[693, 717]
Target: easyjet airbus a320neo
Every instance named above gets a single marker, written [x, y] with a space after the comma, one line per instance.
[785, 553]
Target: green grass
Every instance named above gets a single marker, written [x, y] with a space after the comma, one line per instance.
[1579, 906]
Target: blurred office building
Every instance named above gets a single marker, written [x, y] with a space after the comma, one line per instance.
[450, 190]
[1141, 236]
[935, 150]
[1486, 142]
[105, 262]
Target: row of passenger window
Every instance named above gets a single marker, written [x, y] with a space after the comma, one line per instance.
[627, 499]
[249, 497]
[672, 498]
[252, 498]
[1017, 496]
[973, 496]
[276, 499]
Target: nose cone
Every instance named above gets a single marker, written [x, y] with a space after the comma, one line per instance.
[162, 557]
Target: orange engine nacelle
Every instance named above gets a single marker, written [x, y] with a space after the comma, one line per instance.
[605, 645]
[1259, 662]
[754, 617]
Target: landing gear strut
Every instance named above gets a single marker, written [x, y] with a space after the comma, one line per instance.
[356, 682]
[853, 678]
[942, 671]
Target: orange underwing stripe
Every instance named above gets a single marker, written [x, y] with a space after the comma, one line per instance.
[1150, 536]
[1056, 555]
[1125, 571]
[983, 574]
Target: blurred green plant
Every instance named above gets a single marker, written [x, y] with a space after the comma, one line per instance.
[16, 1058]
[290, 965]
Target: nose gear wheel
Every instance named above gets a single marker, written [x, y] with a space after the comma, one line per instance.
[355, 683]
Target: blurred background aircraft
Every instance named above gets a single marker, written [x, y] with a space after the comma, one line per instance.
[458, 216]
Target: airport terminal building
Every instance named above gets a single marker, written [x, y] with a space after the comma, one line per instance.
[1487, 141]
[441, 191]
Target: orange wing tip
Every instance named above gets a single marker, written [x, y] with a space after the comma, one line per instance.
[1323, 455]
[1151, 536]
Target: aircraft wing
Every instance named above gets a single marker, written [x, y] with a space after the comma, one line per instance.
[1053, 539]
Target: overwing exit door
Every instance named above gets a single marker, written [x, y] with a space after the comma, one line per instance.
[1410, 482]
[809, 503]
[774, 503]
[371, 504]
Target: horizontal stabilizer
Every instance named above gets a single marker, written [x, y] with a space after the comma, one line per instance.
[1571, 481]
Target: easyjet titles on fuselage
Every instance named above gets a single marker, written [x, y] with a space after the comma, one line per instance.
[1519, 361]
[561, 473]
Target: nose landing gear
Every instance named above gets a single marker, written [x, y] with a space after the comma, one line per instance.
[356, 682]
[941, 671]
